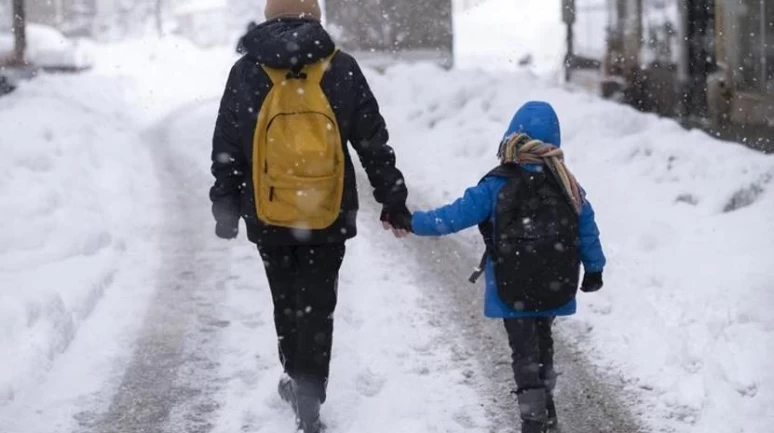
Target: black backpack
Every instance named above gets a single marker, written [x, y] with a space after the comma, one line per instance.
[533, 243]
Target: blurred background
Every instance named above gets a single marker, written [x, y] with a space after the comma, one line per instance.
[708, 63]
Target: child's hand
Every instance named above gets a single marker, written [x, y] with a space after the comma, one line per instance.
[399, 233]
[592, 282]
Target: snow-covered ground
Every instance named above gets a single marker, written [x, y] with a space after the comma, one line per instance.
[79, 205]
[74, 201]
[686, 222]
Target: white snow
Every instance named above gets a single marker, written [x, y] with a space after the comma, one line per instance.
[200, 6]
[73, 196]
[48, 48]
[684, 318]
[80, 211]
[498, 34]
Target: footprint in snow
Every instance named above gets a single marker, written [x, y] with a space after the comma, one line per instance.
[369, 384]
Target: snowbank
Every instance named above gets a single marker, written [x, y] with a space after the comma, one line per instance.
[79, 194]
[71, 197]
[48, 48]
[686, 222]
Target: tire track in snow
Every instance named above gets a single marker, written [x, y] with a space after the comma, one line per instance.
[170, 383]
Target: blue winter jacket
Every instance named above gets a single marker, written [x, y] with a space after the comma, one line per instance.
[539, 120]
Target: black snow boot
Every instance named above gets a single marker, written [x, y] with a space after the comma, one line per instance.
[308, 414]
[533, 427]
[552, 424]
[287, 390]
[533, 407]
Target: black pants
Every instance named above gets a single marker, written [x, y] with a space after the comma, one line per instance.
[532, 345]
[303, 281]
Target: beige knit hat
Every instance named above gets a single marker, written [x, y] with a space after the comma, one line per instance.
[292, 8]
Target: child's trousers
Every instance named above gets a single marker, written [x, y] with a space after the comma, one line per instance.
[533, 365]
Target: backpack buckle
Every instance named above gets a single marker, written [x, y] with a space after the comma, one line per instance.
[296, 73]
[476, 275]
[292, 75]
[479, 270]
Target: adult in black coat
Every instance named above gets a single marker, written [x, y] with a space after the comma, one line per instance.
[302, 266]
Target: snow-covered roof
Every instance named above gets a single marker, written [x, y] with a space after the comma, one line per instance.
[197, 6]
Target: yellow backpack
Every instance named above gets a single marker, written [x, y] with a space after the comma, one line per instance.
[298, 157]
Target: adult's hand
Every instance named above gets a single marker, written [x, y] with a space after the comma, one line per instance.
[397, 216]
[227, 230]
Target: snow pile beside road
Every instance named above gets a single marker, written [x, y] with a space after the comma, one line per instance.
[73, 198]
[47, 47]
[79, 196]
[685, 219]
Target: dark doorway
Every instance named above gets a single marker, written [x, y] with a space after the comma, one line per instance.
[700, 35]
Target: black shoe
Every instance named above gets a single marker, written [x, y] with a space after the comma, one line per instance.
[552, 424]
[308, 414]
[533, 427]
[287, 390]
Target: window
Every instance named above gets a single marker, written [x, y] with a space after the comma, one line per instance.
[755, 69]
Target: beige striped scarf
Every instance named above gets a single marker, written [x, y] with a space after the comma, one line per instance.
[522, 149]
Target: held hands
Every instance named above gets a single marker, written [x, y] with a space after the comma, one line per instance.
[398, 219]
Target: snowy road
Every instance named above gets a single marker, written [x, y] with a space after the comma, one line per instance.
[169, 384]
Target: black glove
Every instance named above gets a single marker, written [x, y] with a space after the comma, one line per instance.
[227, 229]
[398, 216]
[592, 282]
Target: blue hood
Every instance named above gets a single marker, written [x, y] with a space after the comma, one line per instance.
[538, 120]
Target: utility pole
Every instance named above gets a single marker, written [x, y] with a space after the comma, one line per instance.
[19, 31]
[568, 16]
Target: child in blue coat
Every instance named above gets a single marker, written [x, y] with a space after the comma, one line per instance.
[532, 142]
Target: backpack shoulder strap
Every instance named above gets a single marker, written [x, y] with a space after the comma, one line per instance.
[514, 174]
[315, 71]
[510, 171]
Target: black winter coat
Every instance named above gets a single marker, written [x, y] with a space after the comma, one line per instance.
[283, 43]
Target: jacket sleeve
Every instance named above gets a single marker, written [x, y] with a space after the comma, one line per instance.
[369, 137]
[592, 256]
[228, 159]
[473, 208]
